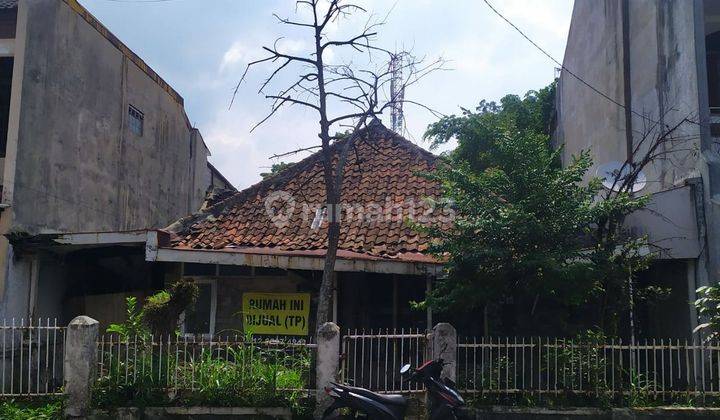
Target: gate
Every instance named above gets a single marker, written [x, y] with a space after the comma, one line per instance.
[373, 359]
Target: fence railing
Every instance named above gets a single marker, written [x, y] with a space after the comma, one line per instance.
[373, 359]
[31, 363]
[658, 368]
[186, 363]
[31, 357]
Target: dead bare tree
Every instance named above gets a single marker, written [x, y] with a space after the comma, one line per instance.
[342, 95]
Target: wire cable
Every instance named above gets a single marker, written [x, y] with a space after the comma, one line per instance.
[562, 66]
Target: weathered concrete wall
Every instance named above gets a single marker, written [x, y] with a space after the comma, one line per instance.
[78, 165]
[72, 162]
[669, 220]
[663, 84]
[587, 121]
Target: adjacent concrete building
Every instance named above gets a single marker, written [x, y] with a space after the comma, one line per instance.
[653, 63]
[91, 139]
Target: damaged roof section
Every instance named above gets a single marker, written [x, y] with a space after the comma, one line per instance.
[383, 189]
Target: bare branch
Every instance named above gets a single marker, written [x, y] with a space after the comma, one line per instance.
[290, 22]
[296, 151]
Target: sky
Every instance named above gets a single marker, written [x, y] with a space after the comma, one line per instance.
[201, 47]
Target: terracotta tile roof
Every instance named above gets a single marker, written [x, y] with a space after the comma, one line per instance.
[382, 188]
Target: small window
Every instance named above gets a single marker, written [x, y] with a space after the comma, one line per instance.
[136, 121]
[200, 318]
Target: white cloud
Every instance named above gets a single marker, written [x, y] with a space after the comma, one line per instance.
[291, 46]
[242, 156]
[233, 56]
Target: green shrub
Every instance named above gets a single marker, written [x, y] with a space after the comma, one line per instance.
[12, 410]
[161, 313]
[134, 325]
[162, 310]
[243, 373]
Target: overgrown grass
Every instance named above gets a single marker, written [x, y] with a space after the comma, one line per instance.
[36, 410]
[575, 373]
[241, 374]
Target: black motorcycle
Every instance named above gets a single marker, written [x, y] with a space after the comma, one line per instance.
[444, 399]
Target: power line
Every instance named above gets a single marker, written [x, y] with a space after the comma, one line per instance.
[562, 66]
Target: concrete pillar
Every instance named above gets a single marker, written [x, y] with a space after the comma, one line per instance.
[328, 363]
[444, 345]
[80, 364]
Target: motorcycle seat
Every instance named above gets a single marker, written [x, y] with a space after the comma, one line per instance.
[388, 399]
[391, 399]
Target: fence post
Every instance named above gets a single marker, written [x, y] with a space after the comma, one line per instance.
[80, 364]
[328, 362]
[444, 345]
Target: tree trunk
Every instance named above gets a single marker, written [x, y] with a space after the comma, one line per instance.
[323, 310]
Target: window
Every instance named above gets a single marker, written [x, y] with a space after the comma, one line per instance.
[200, 319]
[712, 47]
[6, 73]
[136, 120]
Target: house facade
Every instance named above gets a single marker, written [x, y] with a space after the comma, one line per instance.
[631, 70]
[91, 139]
[256, 253]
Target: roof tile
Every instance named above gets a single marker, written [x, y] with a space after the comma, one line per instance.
[381, 189]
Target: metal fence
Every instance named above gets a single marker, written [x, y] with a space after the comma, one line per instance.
[373, 359]
[31, 359]
[188, 363]
[657, 368]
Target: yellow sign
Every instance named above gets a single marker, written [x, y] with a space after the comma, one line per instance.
[276, 313]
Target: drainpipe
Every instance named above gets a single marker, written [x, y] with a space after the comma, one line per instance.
[627, 89]
[627, 101]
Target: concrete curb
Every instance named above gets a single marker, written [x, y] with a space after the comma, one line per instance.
[196, 413]
[499, 412]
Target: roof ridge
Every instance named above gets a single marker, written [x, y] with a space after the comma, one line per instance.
[374, 127]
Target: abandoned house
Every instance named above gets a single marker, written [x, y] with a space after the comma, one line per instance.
[257, 254]
[659, 63]
[91, 139]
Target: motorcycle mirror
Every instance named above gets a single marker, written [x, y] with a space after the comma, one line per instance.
[405, 368]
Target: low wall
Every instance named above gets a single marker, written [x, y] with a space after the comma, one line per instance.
[492, 413]
[194, 413]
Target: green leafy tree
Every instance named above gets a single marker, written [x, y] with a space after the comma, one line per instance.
[528, 230]
[275, 169]
[708, 305]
